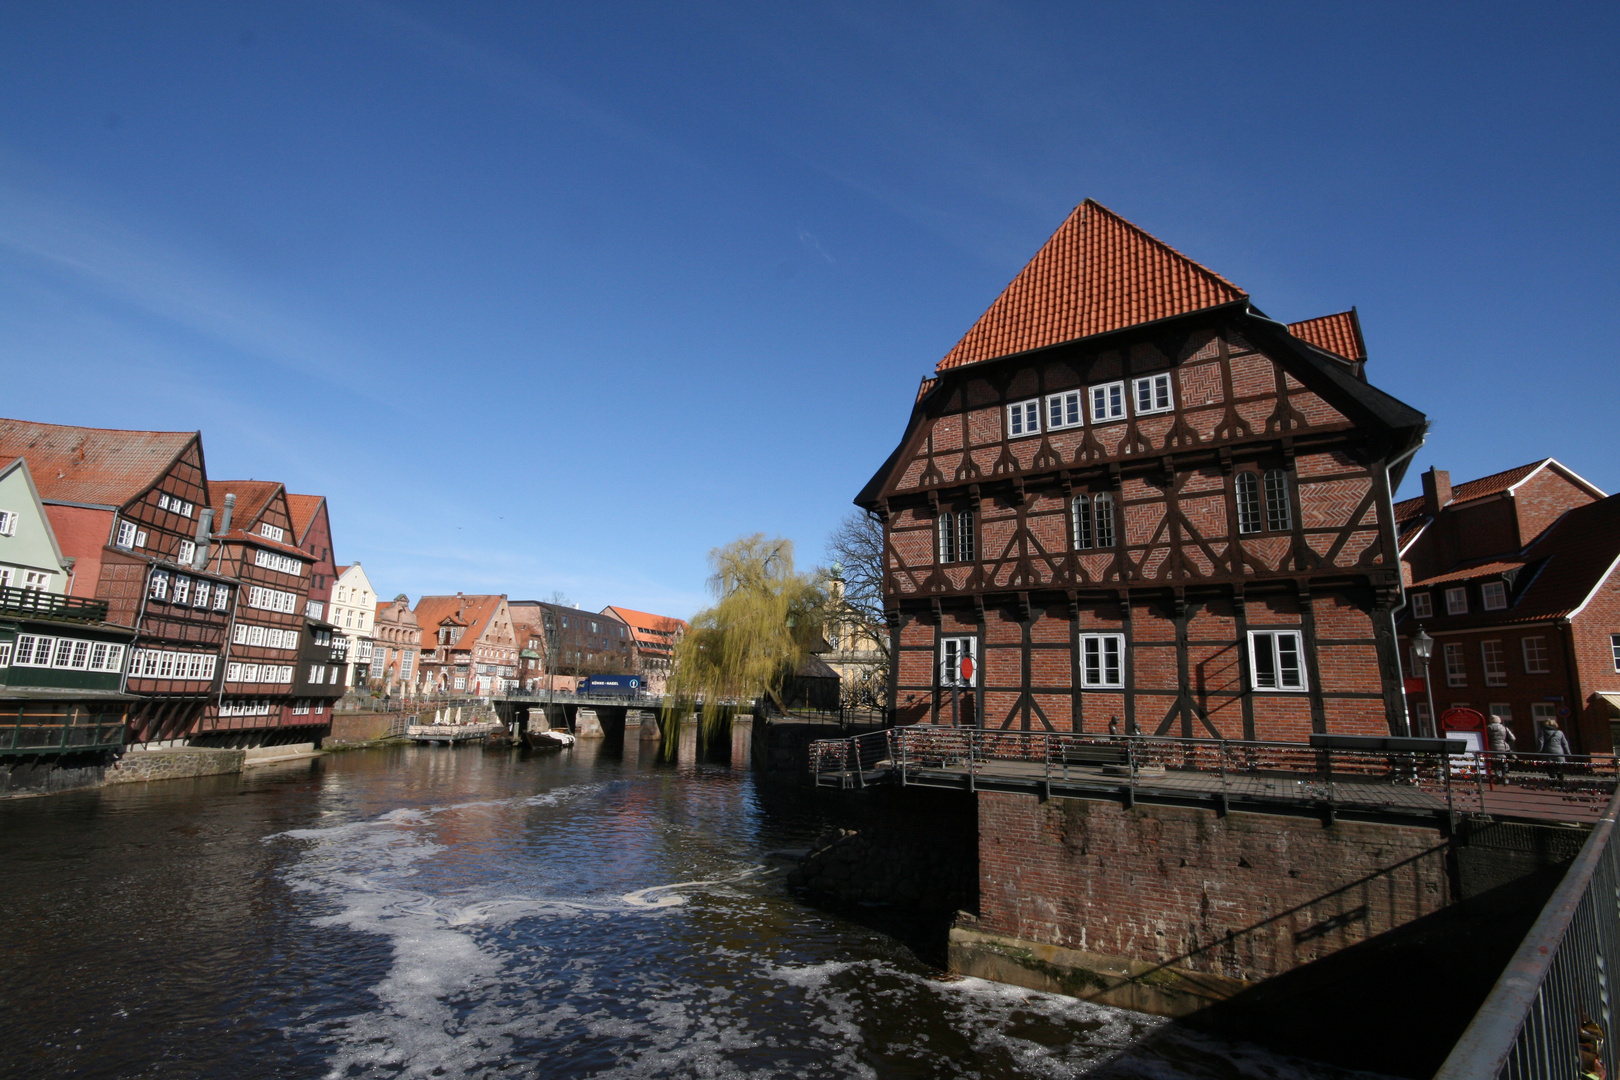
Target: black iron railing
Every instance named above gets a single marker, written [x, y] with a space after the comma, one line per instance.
[1551, 1014]
[27, 729]
[43, 605]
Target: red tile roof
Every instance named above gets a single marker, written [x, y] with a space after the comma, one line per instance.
[303, 509]
[640, 622]
[473, 612]
[1485, 569]
[1097, 273]
[252, 496]
[1495, 484]
[98, 466]
[1339, 334]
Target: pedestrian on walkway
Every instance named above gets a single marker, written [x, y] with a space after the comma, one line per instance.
[1554, 746]
[1501, 745]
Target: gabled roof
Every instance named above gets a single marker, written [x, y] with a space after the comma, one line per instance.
[640, 622]
[252, 497]
[1097, 273]
[1495, 484]
[20, 465]
[93, 466]
[1339, 334]
[473, 612]
[303, 509]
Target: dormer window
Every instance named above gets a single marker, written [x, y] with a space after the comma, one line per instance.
[1422, 605]
[1064, 410]
[272, 532]
[1024, 418]
[1457, 601]
[1493, 595]
[1153, 395]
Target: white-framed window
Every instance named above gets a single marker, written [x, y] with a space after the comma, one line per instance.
[1064, 410]
[199, 594]
[8, 523]
[1457, 601]
[5, 654]
[1102, 661]
[272, 599]
[1247, 486]
[1421, 710]
[1422, 605]
[272, 532]
[1108, 402]
[1276, 660]
[1535, 655]
[1024, 418]
[176, 505]
[1614, 647]
[952, 651]
[1456, 668]
[332, 676]
[182, 589]
[5, 577]
[1493, 595]
[314, 609]
[955, 536]
[1494, 660]
[159, 588]
[233, 672]
[187, 553]
[1153, 395]
[126, 535]
[222, 597]
[405, 663]
[460, 682]
[158, 663]
[1279, 514]
[317, 673]
[272, 560]
[37, 580]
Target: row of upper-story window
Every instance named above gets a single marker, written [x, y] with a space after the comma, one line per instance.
[1534, 655]
[1276, 661]
[37, 580]
[1105, 403]
[1493, 596]
[73, 654]
[130, 536]
[268, 637]
[182, 590]
[1092, 517]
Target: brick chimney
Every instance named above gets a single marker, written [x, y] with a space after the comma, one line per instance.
[1436, 490]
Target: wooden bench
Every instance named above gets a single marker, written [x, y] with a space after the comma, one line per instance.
[1092, 755]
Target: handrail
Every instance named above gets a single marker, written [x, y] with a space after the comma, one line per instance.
[47, 605]
[1496, 1043]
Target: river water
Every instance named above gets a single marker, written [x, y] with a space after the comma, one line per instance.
[426, 912]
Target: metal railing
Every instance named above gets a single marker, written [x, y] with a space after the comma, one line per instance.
[43, 605]
[26, 733]
[1551, 1014]
[1222, 772]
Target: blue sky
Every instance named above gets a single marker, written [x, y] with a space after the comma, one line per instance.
[559, 297]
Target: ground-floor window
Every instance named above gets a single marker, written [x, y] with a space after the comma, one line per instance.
[1102, 661]
[952, 671]
[1276, 660]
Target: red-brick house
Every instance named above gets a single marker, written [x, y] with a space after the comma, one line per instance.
[131, 508]
[653, 638]
[312, 532]
[281, 670]
[467, 645]
[1514, 577]
[1134, 500]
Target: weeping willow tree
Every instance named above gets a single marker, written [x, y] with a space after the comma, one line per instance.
[765, 620]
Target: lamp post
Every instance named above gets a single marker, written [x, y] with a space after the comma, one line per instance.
[1423, 648]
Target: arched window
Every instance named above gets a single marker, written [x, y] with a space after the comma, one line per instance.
[1248, 502]
[1081, 512]
[1279, 518]
[1102, 519]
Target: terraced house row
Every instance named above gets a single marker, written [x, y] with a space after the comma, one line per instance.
[142, 602]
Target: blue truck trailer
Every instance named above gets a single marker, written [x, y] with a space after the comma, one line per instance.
[610, 685]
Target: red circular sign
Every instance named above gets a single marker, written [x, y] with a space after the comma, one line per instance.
[1462, 719]
[967, 669]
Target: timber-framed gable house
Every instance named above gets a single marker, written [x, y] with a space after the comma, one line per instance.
[1133, 503]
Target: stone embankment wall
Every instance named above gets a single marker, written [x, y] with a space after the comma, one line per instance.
[912, 849]
[175, 764]
[356, 728]
[46, 775]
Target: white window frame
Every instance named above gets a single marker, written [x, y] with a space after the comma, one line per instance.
[1270, 642]
[1455, 663]
[187, 552]
[1024, 418]
[1161, 396]
[1542, 710]
[1493, 658]
[1535, 655]
[951, 651]
[272, 532]
[1061, 407]
[1422, 605]
[1493, 596]
[5, 654]
[1457, 600]
[8, 523]
[37, 580]
[1107, 402]
[158, 587]
[126, 535]
[1614, 646]
[1102, 661]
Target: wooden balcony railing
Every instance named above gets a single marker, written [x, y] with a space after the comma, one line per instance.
[35, 604]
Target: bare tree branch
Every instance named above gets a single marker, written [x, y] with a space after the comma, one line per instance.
[857, 545]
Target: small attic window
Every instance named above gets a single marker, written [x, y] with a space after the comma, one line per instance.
[1493, 595]
[272, 532]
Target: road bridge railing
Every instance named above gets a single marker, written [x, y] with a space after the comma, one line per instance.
[1551, 1013]
[1434, 777]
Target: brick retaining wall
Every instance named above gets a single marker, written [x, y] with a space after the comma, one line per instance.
[174, 764]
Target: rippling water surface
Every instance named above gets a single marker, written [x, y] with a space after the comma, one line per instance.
[434, 912]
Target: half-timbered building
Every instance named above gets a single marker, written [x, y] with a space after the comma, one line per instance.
[1136, 503]
[264, 695]
[131, 509]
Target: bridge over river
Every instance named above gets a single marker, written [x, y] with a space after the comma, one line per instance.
[1246, 853]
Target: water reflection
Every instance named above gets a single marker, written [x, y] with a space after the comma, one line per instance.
[414, 912]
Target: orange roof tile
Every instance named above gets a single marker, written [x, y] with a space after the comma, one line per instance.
[1339, 334]
[252, 496]
[303, 509]
[473, 612]
[640, 621]
[1494, 484]
[1482, 569]
[1096, 274]
[97, 466]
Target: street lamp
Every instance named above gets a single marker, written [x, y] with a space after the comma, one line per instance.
[1423, 648]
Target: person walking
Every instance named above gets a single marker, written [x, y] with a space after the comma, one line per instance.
[1554, 747]
[1501, 745]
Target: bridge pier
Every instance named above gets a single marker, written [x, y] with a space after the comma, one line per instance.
[742, 741]
[687, 743]
[586, 724]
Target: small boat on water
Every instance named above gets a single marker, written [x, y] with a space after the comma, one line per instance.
[551, 740]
